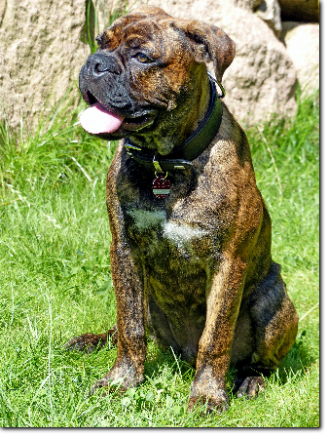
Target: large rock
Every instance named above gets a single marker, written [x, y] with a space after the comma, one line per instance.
[262, 78]
[302, 42]
[44, 44]
[248, 4]
[300, 10]
[41, 53]
[269, 11]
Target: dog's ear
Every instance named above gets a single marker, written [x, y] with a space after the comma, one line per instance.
[208, 43]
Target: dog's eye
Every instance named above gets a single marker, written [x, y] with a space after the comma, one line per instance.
[143, 58]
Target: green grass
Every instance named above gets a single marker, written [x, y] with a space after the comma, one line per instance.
[55, 283]
[91, 27]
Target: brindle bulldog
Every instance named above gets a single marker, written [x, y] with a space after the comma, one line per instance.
[191, 235]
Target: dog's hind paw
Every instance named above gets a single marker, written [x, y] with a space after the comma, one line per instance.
[89, 342]
[249, 386]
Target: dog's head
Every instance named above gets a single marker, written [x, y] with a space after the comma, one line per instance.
[146, 67]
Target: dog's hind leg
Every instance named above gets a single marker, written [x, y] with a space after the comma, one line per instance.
[89, 342]
[274, 323]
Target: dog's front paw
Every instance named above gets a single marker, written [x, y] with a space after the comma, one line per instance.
[208, 392]
[111, 385]
[218, 403]
[120, 378]
[208, 388]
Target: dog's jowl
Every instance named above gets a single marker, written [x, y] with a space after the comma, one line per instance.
[191, 235]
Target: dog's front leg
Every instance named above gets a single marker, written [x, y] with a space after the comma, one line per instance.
[223, 303]
[131, 318]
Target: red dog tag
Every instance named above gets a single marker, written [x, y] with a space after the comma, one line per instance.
[161, 187]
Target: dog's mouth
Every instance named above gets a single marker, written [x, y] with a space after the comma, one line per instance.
[98, 119]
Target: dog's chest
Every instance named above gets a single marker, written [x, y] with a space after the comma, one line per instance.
[157, 232]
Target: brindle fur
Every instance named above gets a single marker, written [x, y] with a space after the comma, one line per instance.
[198, 263]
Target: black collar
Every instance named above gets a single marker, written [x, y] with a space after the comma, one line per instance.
[190, 149]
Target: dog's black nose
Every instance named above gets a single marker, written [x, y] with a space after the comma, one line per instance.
[99, 64]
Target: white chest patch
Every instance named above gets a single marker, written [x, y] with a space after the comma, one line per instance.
[180, 234]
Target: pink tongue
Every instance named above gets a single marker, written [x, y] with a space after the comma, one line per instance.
[97, 119]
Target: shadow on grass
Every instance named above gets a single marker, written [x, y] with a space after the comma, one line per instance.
[298, 360]
[158, 362]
